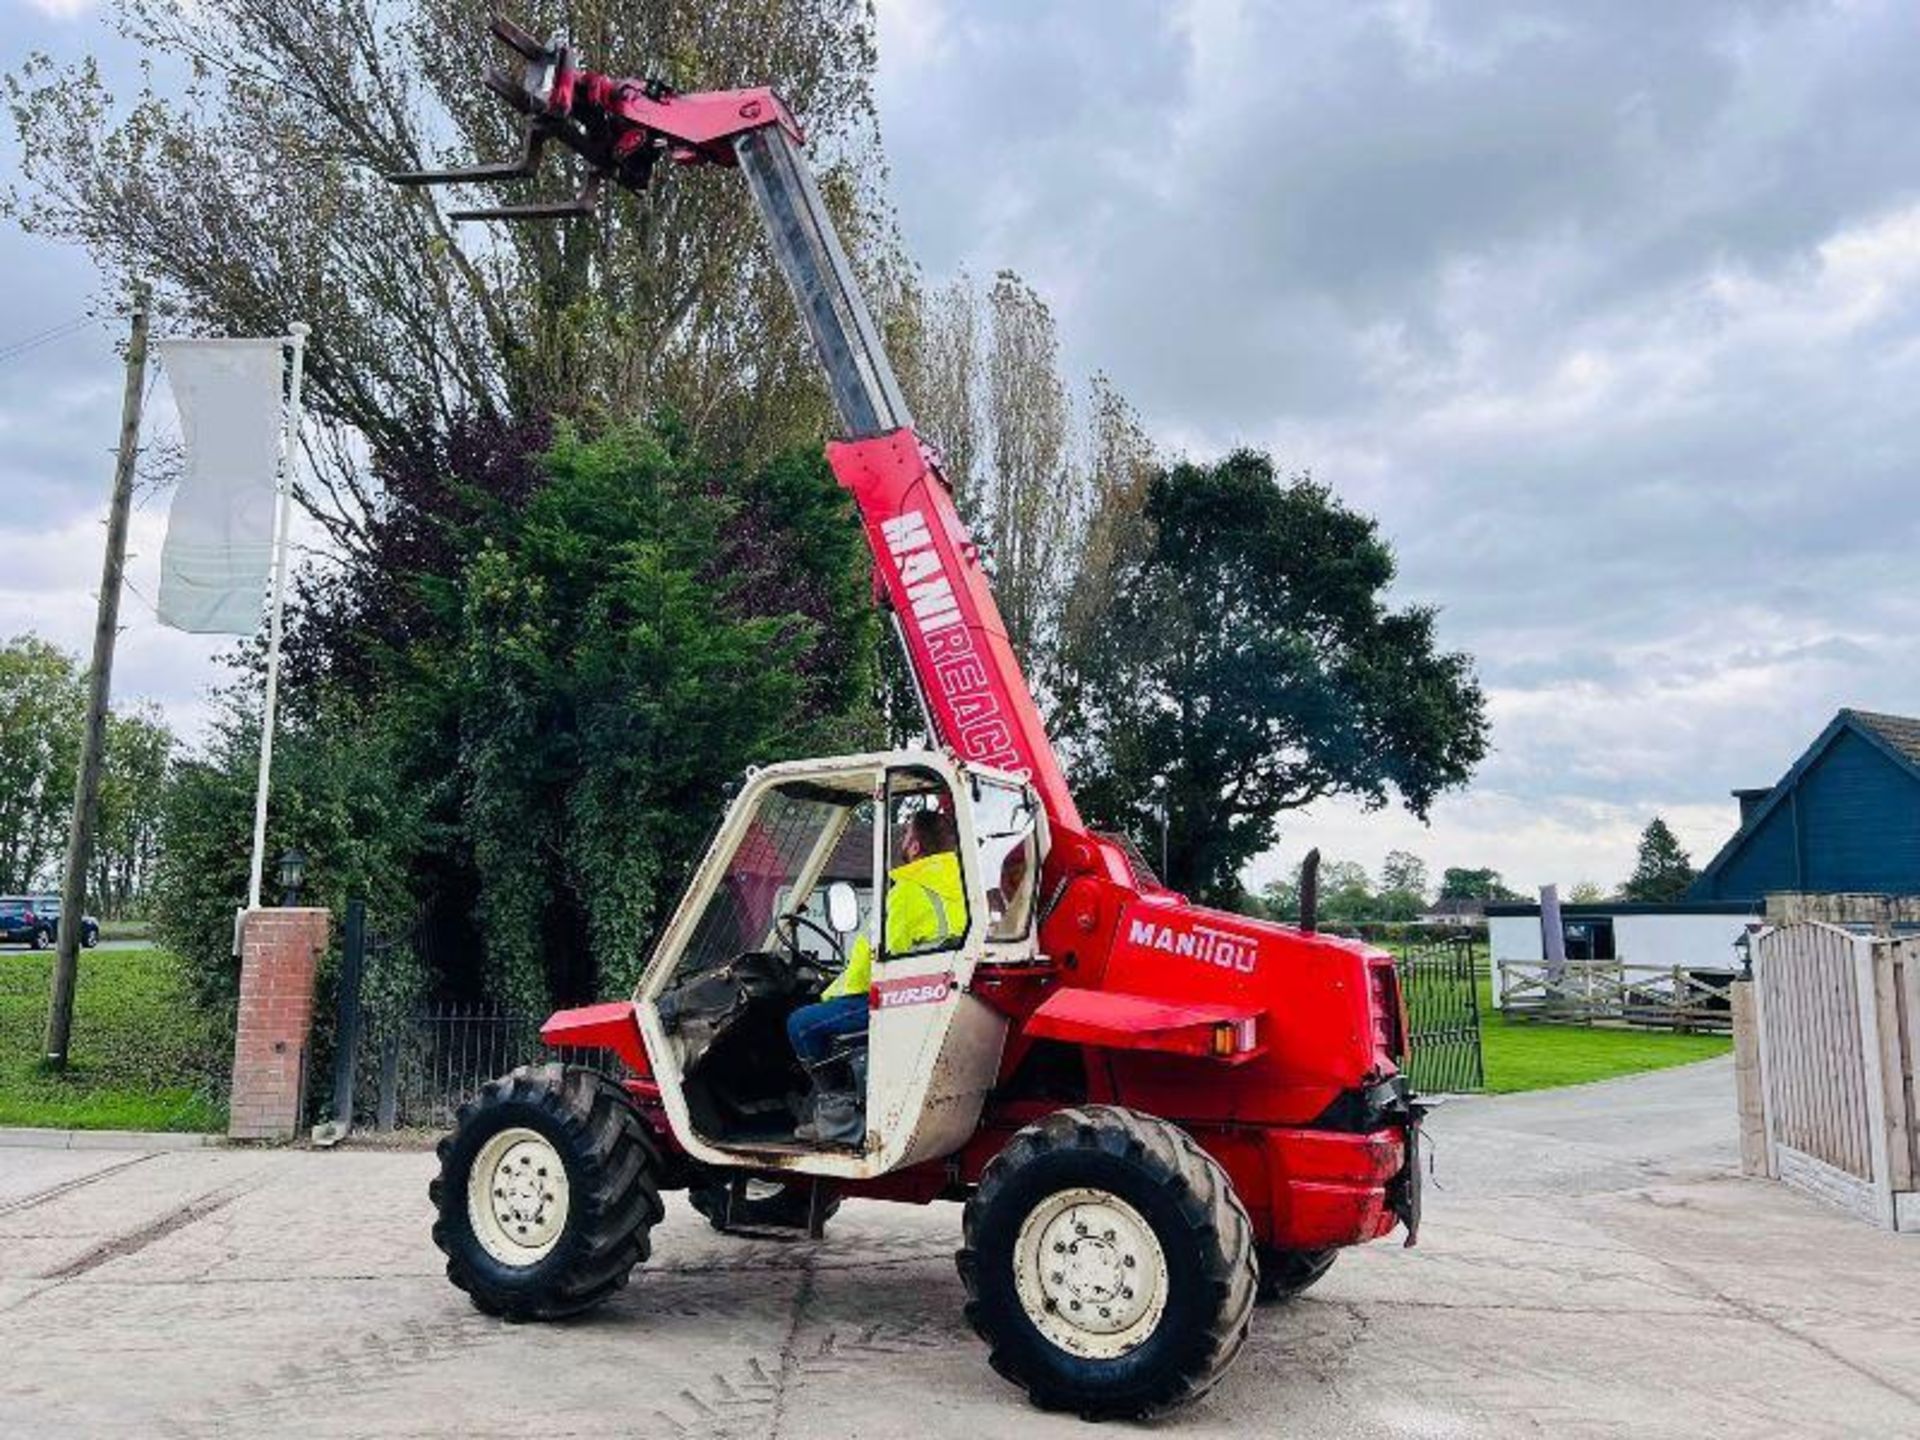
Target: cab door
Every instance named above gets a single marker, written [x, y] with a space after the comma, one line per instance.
[960, 861]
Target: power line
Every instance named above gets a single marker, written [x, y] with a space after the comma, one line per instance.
[38, 335]
[16, 348]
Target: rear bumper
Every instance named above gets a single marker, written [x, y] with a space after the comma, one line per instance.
[1348, 1178]
[1325, 1188]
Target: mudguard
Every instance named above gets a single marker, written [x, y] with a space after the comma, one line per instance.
[1119, 1021]
[613, 1026]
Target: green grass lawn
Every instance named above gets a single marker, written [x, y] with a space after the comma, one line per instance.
[142, 1058]
[1528, 1055]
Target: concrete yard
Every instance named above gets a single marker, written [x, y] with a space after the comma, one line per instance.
[1591, 1266]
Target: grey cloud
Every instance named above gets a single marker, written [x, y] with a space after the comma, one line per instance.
[1375, 238]
[1382, 240]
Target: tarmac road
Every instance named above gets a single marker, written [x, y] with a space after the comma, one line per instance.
[1591, 1266]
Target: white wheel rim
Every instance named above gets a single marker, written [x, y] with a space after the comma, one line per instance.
[1090, 1273]
[517, 1197]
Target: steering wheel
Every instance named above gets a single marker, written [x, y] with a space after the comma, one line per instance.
[788, 927]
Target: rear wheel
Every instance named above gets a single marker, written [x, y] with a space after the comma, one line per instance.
[1108, 1264]
[1285, 1273]
[767, 1205]
[547, 1192]
[41, 939]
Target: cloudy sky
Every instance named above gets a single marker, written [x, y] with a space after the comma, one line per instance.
[1610, 313]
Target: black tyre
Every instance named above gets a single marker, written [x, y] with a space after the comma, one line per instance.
[41, 939]
[767, 1205]
[89, 936]
[1285, 1273]
[1108, 1264]
[547, 1193]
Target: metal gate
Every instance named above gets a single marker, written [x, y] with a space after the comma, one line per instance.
[412, 1068]
[1439, 980]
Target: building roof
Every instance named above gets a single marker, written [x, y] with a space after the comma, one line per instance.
[1896, 736]
[1899, 733]
[1508, 909]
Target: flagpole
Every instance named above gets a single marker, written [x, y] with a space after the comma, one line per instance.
[289, 449]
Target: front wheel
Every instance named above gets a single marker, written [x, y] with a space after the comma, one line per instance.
[41, 939]
[1108, 1264]
[547, 1192]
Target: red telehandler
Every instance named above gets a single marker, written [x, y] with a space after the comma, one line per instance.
[1155, 1113]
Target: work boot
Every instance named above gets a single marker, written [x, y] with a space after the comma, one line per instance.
[839, 1118]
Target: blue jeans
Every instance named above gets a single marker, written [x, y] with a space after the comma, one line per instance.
[814, 1028]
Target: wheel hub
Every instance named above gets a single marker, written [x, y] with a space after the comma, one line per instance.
[1090, 1273]
[517, 1197]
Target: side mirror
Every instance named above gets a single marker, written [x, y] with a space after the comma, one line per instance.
[843, 908]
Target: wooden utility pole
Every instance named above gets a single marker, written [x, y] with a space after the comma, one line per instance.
[93, 740]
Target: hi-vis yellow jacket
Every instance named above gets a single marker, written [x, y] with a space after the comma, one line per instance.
[926, 904]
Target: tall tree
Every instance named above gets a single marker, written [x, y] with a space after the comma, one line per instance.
[1248, 656]
[1462, 883]
[942, 369]
[1346, 893]
[1404, 871]
[1663, 871]
[1120, 466]
[41, 699]
[1403, 887]
[340, 795]
[628, 644]
[133, 788]
[1049, 486]
[525, 720]
[255, 198]
[1026, 500]
[1280, 899]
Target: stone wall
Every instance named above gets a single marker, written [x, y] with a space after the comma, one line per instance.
[1790, 907]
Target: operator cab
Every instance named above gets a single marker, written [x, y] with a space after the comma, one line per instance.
[813, 872]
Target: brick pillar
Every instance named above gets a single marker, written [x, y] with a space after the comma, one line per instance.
[1755, 1154]
[279, 951]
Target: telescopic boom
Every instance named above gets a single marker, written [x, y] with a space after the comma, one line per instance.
[928, 568]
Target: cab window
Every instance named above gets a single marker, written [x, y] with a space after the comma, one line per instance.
[925, 908]
[802, 838]
[1005, 834]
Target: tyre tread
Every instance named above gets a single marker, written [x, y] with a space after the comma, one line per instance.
[1206, 1201]
[618, 1206]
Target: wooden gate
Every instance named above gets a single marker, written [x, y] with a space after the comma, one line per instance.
[1836, 1014]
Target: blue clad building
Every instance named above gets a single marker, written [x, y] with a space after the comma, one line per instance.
[1845, 818]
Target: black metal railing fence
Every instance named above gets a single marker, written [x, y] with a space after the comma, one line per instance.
[412, 1066]
[1439, 982]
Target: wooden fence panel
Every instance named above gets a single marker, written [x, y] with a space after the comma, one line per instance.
[1835, 1014]
[1676, 997]
[1886, 1008]
[1802, 972]
[1903, 1067]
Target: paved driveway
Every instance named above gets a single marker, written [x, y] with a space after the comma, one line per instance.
[1592, 1266]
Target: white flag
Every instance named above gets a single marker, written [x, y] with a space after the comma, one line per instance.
[219, 547]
